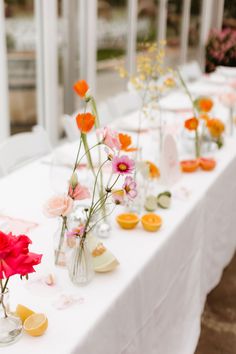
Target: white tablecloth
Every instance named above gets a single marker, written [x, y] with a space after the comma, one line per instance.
[153, 302]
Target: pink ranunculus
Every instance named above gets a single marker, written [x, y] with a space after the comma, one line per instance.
[60, 205]
[79, 192]
[109, 137]
[122, 165]
[15, 257]
[130, 187]
[6, 243]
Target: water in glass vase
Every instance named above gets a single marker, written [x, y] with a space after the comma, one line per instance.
[80, 263]
[10, 326]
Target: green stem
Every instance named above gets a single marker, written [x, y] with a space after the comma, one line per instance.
[3, 289]
[197, 145]
[88, 155]
[97, 125]
[77, 156]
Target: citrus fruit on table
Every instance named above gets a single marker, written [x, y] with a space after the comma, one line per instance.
[207, 164]
[23, 312]
[151, 222]
[36, 324]
[189, 165]
[127, 221]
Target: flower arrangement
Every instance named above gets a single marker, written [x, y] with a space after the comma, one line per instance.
[103, 194]
[151, 80]
[221, 49]
[202, 107]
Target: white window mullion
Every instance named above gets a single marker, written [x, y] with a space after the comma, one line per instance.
[47, 77]
[218, 14]
[132, 35]
[69, 10]
[88, 41]
[206, 21]
[4, 90]
[185, 31]
[162, 20]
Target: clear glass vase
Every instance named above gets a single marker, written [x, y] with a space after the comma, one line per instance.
[80, 263]
[60, 242]
[10, 326]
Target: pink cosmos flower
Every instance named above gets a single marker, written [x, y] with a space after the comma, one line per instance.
[60, 205]
[130, 187]
[109, 137]
[122, 165]
[78, 192]
[78, 231]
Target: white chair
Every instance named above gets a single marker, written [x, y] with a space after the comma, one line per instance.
[70, 126]
[21, 148]
[124, 103]
[190, 71]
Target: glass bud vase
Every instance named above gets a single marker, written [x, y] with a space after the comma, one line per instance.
[80, 263]
[10, 326]
[60, 242]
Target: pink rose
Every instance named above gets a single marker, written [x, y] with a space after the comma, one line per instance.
[60, 205]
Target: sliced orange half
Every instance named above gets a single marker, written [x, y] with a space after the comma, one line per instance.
[189, 165]
[151, 222]
[207, 164]
[127, 221]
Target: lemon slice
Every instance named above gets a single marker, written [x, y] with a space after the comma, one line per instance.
[23, 312]
[36, 324]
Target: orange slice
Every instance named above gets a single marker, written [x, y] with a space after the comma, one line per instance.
[36, 324]
[23, 312]
[151, 222]
[207, 164]
[127, 221]
[189, 165]
[154, 171]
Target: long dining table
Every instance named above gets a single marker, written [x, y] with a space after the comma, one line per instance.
[152, 303]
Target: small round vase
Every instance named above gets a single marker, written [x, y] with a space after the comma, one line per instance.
[10, 326]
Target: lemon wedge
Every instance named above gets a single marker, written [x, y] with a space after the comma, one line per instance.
[23, 312]
[36, 324]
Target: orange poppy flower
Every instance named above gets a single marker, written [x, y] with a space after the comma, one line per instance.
[216, 127]
[125, 142]
[85, 122]
[191, 124]
[154, 171]
[81, 87]
[204, 104]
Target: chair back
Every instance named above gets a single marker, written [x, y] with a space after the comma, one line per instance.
[124, 103]
[21, 148]
[190, 71]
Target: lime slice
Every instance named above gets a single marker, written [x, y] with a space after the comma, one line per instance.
[164, 200]
[150, 203]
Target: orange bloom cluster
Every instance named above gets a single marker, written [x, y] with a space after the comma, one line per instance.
[125, 142]
[204, 104]
[216, 127]
[191, 124]
[81, 88]
[85, 122]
